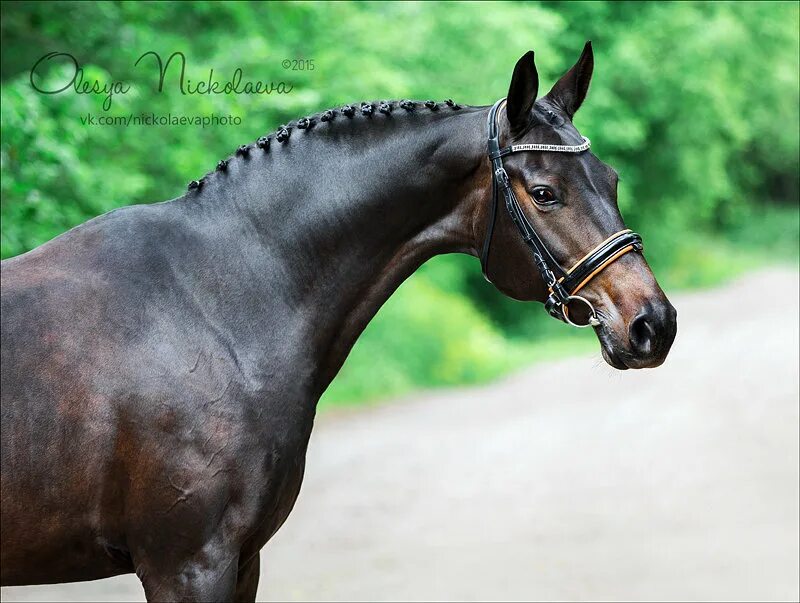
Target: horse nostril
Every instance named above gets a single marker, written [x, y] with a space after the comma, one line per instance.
[642, 334]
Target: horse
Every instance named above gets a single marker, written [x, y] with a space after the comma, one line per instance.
[161, 363]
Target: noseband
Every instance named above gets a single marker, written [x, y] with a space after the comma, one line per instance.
[563, 285]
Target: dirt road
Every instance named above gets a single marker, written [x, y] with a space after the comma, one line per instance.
[567, 481]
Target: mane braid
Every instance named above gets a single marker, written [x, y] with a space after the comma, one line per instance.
[366, 109]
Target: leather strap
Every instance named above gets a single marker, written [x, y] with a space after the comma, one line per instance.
[600, 257]
[548, 267]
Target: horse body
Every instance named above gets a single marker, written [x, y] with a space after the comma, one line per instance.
[162, 363]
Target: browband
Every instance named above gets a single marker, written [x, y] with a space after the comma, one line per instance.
[559, 148]
[563, 285]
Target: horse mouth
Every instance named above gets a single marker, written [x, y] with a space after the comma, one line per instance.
[622, 359]
[614, 360]
[614, 356]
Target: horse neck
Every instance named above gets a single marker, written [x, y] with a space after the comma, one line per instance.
[330, 223]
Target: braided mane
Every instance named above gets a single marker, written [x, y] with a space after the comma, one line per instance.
[347, 112]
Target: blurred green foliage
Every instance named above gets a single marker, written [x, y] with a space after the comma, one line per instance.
[695, 104]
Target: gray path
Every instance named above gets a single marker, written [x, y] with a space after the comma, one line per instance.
[679, 483]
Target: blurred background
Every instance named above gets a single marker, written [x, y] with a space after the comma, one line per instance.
[695, 104]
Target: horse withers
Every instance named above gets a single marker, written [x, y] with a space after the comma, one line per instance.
[161, 364]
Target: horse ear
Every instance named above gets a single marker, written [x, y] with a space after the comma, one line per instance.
[522, 92]
[570, 90]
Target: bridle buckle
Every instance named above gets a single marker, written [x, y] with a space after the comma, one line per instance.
[501, 175]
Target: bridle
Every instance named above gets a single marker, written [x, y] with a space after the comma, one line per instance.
[563, 285]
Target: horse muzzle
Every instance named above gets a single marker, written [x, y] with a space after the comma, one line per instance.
[650, 334]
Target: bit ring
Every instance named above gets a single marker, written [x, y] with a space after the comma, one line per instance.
[593, 320]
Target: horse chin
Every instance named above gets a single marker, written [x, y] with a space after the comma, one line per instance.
[614, 360]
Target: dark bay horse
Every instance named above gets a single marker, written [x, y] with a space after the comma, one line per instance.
[161, 364]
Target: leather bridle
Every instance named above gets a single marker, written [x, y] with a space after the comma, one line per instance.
[563, 285]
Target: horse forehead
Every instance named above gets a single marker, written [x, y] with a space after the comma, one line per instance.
[568, 133]
[583, 171]
[564, 133]
[585, 166]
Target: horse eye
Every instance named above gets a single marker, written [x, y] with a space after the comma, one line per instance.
[543, 195]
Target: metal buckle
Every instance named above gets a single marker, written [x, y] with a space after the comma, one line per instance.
[502, 176]
[593, 320]
[544, 269]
